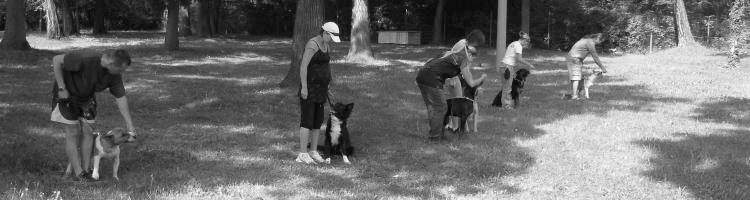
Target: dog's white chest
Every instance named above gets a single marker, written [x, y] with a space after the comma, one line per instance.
[335, 130]
[105, 152]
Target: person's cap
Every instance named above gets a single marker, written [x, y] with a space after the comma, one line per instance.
[333, 31]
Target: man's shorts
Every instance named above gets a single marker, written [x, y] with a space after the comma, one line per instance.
[312, 114]
[66, 113]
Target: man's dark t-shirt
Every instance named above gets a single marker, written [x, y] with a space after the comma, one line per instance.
[84, 76]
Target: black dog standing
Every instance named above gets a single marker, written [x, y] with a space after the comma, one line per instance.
[462, 107]
[516, 88]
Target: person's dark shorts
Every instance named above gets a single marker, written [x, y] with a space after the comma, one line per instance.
[312, 114]
[66, 112]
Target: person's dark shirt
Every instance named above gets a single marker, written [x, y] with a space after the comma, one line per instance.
[318, 77]
[437, 70]
[84, 75]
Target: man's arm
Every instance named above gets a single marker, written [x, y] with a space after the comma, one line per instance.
[122, 104]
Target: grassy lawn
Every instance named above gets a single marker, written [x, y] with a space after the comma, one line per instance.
[671, 125]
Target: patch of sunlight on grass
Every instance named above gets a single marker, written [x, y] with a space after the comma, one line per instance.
[252, 129]
[411, 63]
[706, 164]
[553, 71]
[141, 84]
[194, 104]
[269, 91]
[49, 132]
[85, 41]
[373, 62]
[238, 81]
[236, 59]
[356, 77]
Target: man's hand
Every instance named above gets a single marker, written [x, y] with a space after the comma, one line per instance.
[303, 93]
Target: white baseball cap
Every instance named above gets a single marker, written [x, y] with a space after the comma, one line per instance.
[333, 31]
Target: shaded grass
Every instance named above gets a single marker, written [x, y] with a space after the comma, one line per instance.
[212, 128]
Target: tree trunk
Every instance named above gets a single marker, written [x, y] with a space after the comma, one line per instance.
[437, 23]
[684, 36]
[15, 26]
[99, 9]
[204, 18]
[53, 25]
[360, 34]
[171, 40]
[502, 22]
[184, 27]
[308, 18]
[215, 17]
[68, 27]
[525, 13]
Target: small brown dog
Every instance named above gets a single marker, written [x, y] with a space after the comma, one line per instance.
[107, 146]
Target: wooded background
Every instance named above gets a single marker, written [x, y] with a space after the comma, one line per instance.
[553, 24]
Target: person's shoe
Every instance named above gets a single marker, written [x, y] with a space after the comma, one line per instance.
[84, 177]
[507, 107]
[315, 156]
[304, 158]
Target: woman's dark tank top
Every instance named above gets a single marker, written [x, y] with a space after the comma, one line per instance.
[318, 77]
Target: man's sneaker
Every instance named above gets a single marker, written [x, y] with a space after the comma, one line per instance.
[304, 158]
[315, 156]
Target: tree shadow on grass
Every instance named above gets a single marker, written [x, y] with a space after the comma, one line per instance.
[716, 166]
[731, 110]
[712, 165]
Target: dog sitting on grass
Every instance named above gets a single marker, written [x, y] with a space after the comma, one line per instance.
[516, 88]
[337, 141]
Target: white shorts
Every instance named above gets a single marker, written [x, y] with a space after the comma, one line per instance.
[57, 117]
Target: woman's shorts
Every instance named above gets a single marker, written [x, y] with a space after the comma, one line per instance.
[312, 114]
[575, 66]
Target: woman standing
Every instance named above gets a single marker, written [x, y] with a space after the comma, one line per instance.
[579, 51]
[432, 76]
[315, 75]
[513, 56]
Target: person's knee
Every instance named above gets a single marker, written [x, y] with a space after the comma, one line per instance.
[72, 129]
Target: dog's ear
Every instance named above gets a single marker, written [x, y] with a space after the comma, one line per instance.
[350, 106]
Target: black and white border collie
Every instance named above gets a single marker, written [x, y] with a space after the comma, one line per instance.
[337, 141]
[515, 90]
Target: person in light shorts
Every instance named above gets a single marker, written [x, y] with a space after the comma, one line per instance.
[574, 60]
[78, 77]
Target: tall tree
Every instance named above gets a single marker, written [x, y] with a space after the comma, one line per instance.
[54, 31]
[204, 18]
[99, 9]
[684, 36]
[307, 21]
[525, 13]
[171, 40]
[502, 22]
[69, 26]
[437, 23]
[360, 34]
[15, 26]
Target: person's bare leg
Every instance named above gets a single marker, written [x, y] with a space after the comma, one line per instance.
[314, 134]
[72, 134]
[574, 89]
[86, 145]
[304, 136]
